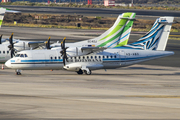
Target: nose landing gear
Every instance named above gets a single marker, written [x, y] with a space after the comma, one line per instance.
[85, 70]
[18, 72]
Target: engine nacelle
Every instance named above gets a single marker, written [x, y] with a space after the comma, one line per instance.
[72, 67]
[76, 51]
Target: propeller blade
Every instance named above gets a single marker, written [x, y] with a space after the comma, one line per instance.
[1, 39]
[11, 39]
[12, 52]
[11, 46]
[64, 60]
[48, 43]
[63, 51]
[63, 43]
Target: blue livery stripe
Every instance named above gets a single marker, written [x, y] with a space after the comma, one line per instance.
[12, 60]
[119, 39]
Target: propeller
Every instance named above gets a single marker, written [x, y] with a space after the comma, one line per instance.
[48, 43]
[63, 51]
[1, 39]
[11, 46]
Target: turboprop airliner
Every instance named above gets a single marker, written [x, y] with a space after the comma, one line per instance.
[150, 46]
[115, 36]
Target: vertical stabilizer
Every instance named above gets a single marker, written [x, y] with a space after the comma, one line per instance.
[156, 38]
[2, 12]
[117, 35]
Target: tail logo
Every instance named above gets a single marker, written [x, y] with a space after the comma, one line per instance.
[150, 40]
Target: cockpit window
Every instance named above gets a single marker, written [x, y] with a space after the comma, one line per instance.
[21, 55]
[25, 55]
[17, 55]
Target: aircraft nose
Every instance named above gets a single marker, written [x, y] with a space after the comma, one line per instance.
[8, 63]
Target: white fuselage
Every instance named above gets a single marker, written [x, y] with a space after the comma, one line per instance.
[23, 45]
[18, 46]
[108, 59]
[4, 53]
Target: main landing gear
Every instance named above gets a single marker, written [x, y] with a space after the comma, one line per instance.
[87, 72]
[18, 72]
[80, 72]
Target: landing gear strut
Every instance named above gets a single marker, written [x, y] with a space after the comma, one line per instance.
[80, 72]
[18, 72]
[87, 72]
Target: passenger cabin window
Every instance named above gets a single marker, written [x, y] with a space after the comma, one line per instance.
[99, 57]
[103, 56]
[7, 52]
[3, 52]
[91, 57]
[59, 57]
[0, 52]
[51, 58]
[25, 55]
[107, 56]
[115, 56]
[95, 56]
[54, 57]
[21, 55]
[111, 56]
[87, 57]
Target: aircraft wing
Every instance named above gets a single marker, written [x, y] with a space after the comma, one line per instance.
[36, 44]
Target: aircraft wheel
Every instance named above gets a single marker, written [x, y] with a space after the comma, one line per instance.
[80, 72]
[88, 73]
[18, 73]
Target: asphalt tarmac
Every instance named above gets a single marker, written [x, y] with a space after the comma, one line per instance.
[104, 12]
[135, 92]
[74, 35]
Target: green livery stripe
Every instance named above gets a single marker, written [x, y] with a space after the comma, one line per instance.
[5, 8]
[1, 22]
[122, 43]
[119, 26]
[118, 35]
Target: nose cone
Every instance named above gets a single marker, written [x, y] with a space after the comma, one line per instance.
[8, 63]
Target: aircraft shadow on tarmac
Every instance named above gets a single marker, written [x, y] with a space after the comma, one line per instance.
[101, 74]
[135, 74]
